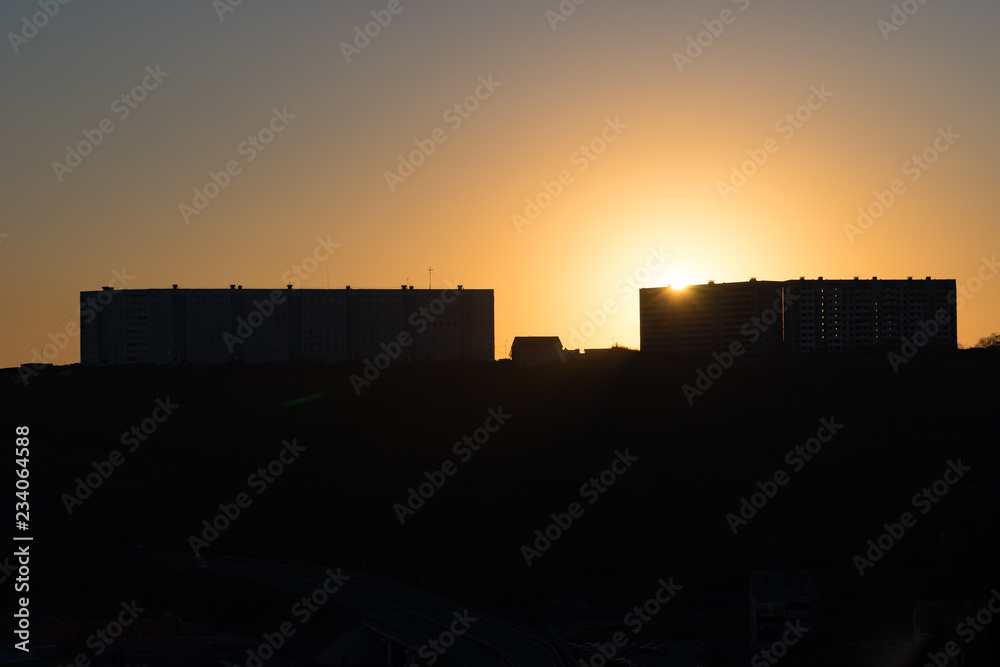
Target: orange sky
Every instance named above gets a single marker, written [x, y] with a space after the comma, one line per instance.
[663, 132]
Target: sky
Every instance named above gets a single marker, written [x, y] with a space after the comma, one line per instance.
[563, 154]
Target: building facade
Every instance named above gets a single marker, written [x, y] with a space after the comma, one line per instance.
[208, 326]
[707, 318]
[799, 316]
[850, 315]
[779, 597]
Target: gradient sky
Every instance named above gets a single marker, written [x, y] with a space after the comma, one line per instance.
[681, 131]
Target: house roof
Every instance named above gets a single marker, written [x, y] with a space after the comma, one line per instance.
[537, 341]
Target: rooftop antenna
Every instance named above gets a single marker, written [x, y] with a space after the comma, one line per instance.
[429, 272]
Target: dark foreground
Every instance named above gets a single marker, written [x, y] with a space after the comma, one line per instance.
[597, 506]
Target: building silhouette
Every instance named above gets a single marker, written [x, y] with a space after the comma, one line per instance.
[707, 318]
[778, 597]
[799, 316]
[210, 326]
[845, 315]
[527, 351]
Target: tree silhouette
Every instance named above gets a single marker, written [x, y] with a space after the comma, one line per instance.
[991, 342]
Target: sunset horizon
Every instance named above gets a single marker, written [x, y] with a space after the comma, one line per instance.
[396, 333]
[810, 157]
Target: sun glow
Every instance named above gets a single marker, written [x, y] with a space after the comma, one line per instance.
[680, 280]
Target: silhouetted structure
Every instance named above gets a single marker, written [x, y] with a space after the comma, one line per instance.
[707, 318]
[937, 619]
[528, 351]
[164, 326]
[844, 315]
[798, 315]
[776, 598]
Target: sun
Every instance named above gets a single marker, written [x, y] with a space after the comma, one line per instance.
[680, 280]
[674, 274]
